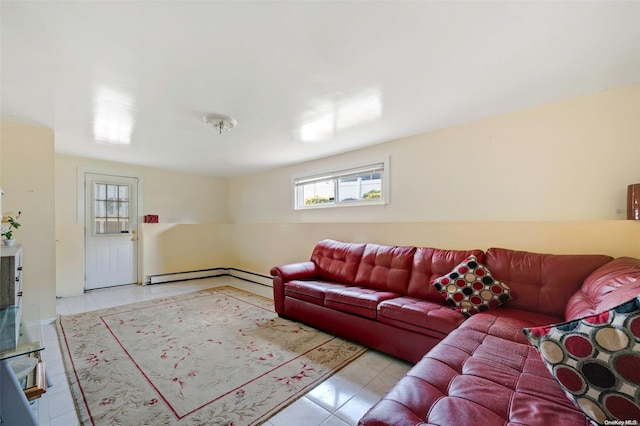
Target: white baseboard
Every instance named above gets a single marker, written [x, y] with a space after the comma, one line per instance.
[208, 273]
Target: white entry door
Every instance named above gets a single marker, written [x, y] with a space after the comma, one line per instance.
[111, 231]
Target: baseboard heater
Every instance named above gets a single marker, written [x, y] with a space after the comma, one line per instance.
[208, 273]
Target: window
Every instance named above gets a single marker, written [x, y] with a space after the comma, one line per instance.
[111, 208]
[365, 185]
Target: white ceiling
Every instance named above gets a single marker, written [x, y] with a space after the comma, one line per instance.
[303, 79]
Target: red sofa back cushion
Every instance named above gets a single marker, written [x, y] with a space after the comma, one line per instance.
[610, 285]
[337, 261]
[431, 263]
[541, 282]
[385, 268]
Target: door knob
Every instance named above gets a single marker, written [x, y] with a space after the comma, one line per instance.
[134, 239]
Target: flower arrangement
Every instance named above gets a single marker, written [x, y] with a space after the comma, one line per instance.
[7, 231]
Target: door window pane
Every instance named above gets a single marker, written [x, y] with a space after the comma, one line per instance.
[100, 209]
[123, 209]
[111, 209]
[112, 226]
[101, 191]
[123, 192]
[100, 225]
[112, 192]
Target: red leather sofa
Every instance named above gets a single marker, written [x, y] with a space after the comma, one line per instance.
[480, 369]
[375, 295]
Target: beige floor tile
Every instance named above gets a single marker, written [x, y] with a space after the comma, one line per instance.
[333, 393]
[60, 403]
[67, 419]
[357, 406]
[302, 412]
[334, 421]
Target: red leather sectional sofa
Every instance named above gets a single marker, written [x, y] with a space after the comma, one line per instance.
[477, 370]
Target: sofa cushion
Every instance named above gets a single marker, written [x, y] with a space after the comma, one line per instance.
[507, 323]
[473, 378]
[422, 316]
[311, 291]
[356, 300]
[469, 288]
[596, 360]
[430, 263]
[541, 282]
[337, 261]
[385, 268]
[608, 286]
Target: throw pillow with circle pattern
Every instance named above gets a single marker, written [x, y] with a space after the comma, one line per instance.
[469, 288]
[596, 361]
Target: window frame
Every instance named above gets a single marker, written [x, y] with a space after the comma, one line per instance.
[335, 173]
[118, 202]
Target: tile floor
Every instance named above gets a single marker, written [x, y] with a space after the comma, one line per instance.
[338, 401]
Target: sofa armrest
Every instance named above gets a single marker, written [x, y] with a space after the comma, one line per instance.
[284, 273]
[295, 271]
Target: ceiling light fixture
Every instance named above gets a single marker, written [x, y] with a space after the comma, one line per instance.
[221, 123]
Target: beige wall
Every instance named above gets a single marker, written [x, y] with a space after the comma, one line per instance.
[177, 198]
[567, 161]
[546, 179]
[258, 247]
[27, 159]
[184, 247]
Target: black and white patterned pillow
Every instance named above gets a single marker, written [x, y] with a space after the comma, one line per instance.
[469, 288]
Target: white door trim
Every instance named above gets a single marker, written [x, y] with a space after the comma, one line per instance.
[80, 192]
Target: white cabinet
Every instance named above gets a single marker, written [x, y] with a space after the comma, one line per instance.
[11, 275]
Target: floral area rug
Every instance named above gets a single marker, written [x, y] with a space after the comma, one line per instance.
[214, 357]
